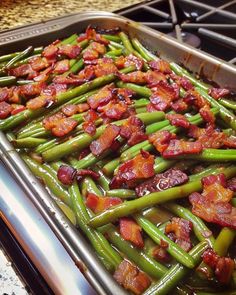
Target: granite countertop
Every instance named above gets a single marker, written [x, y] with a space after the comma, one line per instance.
[19, 12]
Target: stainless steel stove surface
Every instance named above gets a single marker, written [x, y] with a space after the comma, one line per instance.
[209, 25]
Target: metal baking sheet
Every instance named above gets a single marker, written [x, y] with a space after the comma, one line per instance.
[43, 33]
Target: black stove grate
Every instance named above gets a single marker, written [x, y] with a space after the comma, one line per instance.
[209, 25]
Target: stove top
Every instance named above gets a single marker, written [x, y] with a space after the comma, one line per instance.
[209, 25]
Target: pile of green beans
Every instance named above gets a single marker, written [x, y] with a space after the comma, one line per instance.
[44, 153]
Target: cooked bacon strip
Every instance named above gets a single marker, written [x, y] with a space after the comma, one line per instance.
[131, 231]
[51, 121]
[102, 97]
[137, 77]
[91, 34]
[131, 278]
[179, 105]
[231, 184]
[182, 81]
[62, 66]
[163, 95]
[133, 130]
[32, 89]
[50, 51]
[72, 51]
[89, 127]
[44, 75]
[81, 173]
[133, 171]
[217, 93]
[103, 143]
[178, 120]
[86, 74]
[179, 231]
[66, 174]
[21, 71]
[64, 126]
[39, 63]
[153, 78]
[5, 109]
[17, 108]
[192, 97]
[213, 204]
[90, 54]
[99, 204]
[68, 80]
[230, 142]
[53, 89]
[160, 253]
[178, 147]
[123, 94]
[161, 66]
[105, 66]
[127, 61]
[207, 114]
[72, 109]
[222, 266]
[5, 93]
[161, 139]
[161, 181]
[113, 110]
[39, 102]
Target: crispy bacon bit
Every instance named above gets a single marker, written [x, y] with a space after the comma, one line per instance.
[113, 110]
[72, 51]
[133, 171]
[217, 93]
[89, 127]
[43, 76]
[4, 94]
[101, 98]
[50, 51]
[131, 278]
[178, 120]
[39, 102]
[160, 253]
[123, 94]
[231, 184]
[105, 66]
[54, 89]
[178, 147]
[153, 78]
[72, 109]
[131, 231]
[161, 139]
[230, 142]
[68, 80]
[81, 173]
[162, 181]
[130, 60]
[103, 143]
[86, 74]
[99, 204]
[213, 204]
[32, 89]
[163, 95]
[133, 130]
[64, 126]
[5, 109]
[91, 116]
[91, 34]
[84, 153]
[39, 63]
[137, 77]
[182, 81]
[179, 231]
[179, 105]
[17, 108]
[21, 71]
[100, 48]
[61, 66]
[51, 121]
[192, 97]
[66, 174]
[160, 66]
[222, 266]
[90, 54]
[207, 114]
[14, 95]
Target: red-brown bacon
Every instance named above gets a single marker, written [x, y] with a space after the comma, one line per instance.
[39, 102]
[113, 110]
[217, 93]
[179, 147]
[61, 66]
[21, 71]
[137, 77]
[5, 109]
[182, 81]
[91, 34]
[179, 231]
[178, 120]
[192, 97]
[153, 78]
[133, 171]
[131, 278]
[99, 204]
[64, 126]
[161, 139]
[104, 66]
[39, 63]
[160, 66]
[32, 89]
[130, 60]
[5, 93]
[213, 204]
[72, 109]
[69, 50]
[207, 114]
[101, 98]
[131, 231]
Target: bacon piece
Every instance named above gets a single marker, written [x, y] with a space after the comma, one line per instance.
[86, 74]
[50, 51]
[133, 171]
[127, 61]
[182, 81]
[133, 130]
[81, 173]
[103, 143]
[100, 48]
[213, 204]
[192, 97]
[105, 66]
[160, 254]
[17, 108]
[21, 71]
[153, 78]
[102, 97]
[68, 80]
[89, 127]
[91, 34]
[123, 94]
[4, 94]
[72, 51]
[5, 109]
[14, 95]
[207, 114]
[39, 102]
[178, 120]
[160, 66]
[179, 231]
[61, 66]
[90, 54]
[113, 110]
[230, 142]
[84, 153]
[53, 89]
[178, 147]
[32, 89]
[231, 184]
[51, 121]
[161, 181]
[91, 116]
[39, 63]
[137, 77]
[161, 139]
[222, 266]
[131, 278]
[64, 126]
[217, 93]
[72, 109]
[179, 105]
[66, 174]
[99, 204]
[44, 75]
[131, 231]
[163, 95]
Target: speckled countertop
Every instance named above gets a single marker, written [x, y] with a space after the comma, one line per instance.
[19, 12]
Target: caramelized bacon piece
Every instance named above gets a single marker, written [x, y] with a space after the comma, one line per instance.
[101, 98]
[113, 110]
[178, 120]
[160, 66]
[105, 66]
[51, 121]
[15, 96]
[179, 105]
[62, 66]
[160, 254]
[213, 204]
[53, 89]
[192, 97]
[5, 109]
[86, 74]
[44, 75]
[161, 139]
[17, 108]
[39, 63]
[231, 184]
[72, 51]
[72, 109]
[127, 61]
[230, 142]
[123, 94]
[68, 80]
[133, 171]
[182, 81]
[90, 54]
[91, 34]
[66, 174]
[178, 147]
[64, 126]
[81, 173]
[39, 102]
[21, 71]
[131, 278]
[89, 127]
[50, 51]
[133, 130]
[137, 77]
[161, 181]
[131, 231]
[153, 78]
[4, 94]
[84, 153]
[222, 266]
[100, 48]
[99, 204]
[207, 114]
[217, 93]
[32, 89]
[179, 231]
[163, 95]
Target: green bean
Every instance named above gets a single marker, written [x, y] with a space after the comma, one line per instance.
[103, 181]
[112, 37]
[233, 202]
[89, 186]
[109, 168]
[206, 171]
[121, 193]
[114, 53]
[8, 80]
[67, 211]
[143, 51]
[140, 90]
[18, 57]
[29, 142]
[230, 104]
[69, 39]
[224, 240]
[133, 206]
[175, 273]
[173, 249]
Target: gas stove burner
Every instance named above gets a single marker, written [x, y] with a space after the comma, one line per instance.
[188, 38]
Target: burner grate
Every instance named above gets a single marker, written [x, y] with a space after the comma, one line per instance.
[209, 25]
